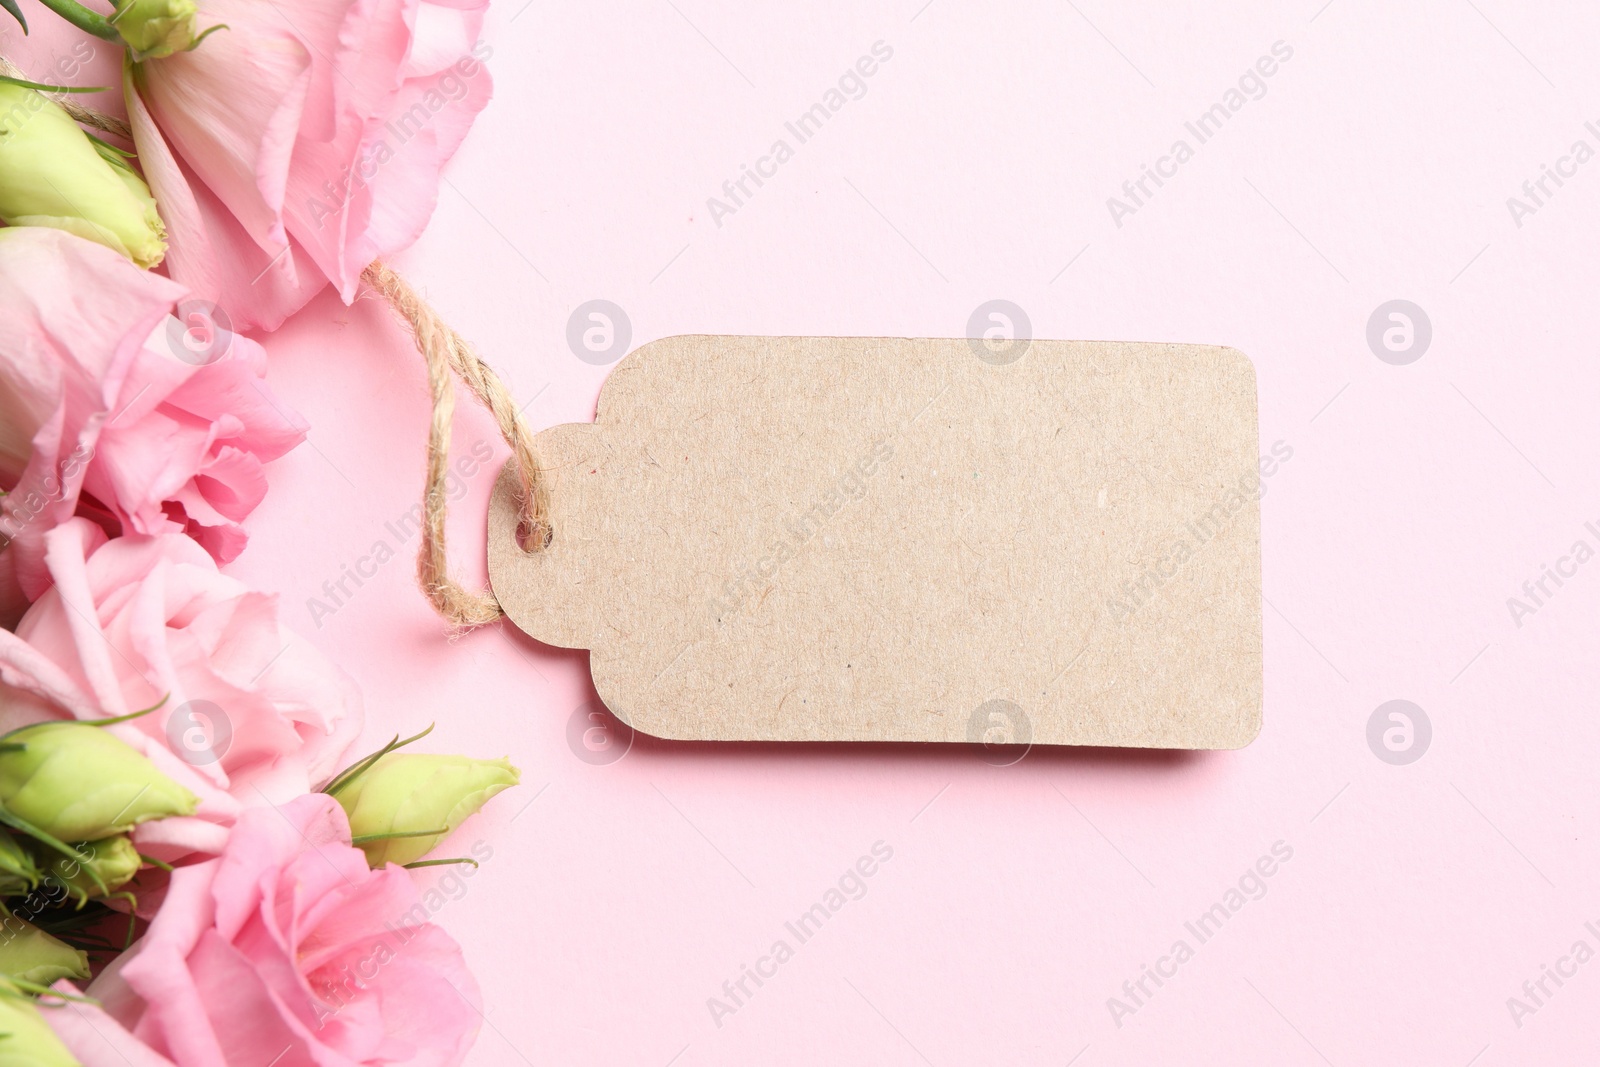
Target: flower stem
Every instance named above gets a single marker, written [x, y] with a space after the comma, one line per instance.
[81, 17]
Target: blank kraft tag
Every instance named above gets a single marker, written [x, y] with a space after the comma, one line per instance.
[886, 539]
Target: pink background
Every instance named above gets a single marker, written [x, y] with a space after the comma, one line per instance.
[1019, 899]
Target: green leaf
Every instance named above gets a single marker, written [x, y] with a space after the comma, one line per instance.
[23, 826]
[349, 774]
[437, 863]
[164, 699]
[46, 991]
[19, 746]
[16, 13]
[81, 17]
[203, 34]
[363, 839]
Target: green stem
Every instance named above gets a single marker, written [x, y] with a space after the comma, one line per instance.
[81, 17]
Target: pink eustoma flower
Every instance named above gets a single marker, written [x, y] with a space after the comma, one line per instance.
[304, 141]
[286, 950]
[113, 408]
[253, 714]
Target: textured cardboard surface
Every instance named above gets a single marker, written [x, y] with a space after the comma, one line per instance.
[887, 539]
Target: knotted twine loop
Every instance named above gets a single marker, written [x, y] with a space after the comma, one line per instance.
[447, 353]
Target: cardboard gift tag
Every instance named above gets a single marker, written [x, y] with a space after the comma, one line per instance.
[887, 539]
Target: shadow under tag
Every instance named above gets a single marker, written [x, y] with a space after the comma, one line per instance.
[888, 539]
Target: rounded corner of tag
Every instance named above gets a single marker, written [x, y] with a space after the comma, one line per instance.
[1245, 732]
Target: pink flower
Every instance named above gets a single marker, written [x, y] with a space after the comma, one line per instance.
[286, 949]
[111, 407]
[253, 712]
[304, 141]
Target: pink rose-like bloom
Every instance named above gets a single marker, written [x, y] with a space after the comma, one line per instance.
[304, 141]
[253, 712]
[286, 950]
[107, 409]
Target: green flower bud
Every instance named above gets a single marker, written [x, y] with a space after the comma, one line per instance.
[77, 782]
[414, 793]
[26, 1040]
[113, 860]
[52, 174]
[156, 28]
[30, 954]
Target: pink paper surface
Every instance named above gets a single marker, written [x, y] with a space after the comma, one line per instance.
[1375, 165]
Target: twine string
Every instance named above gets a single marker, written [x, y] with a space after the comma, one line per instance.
[447, 354]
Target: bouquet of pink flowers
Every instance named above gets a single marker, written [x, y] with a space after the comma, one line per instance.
[190, 873]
